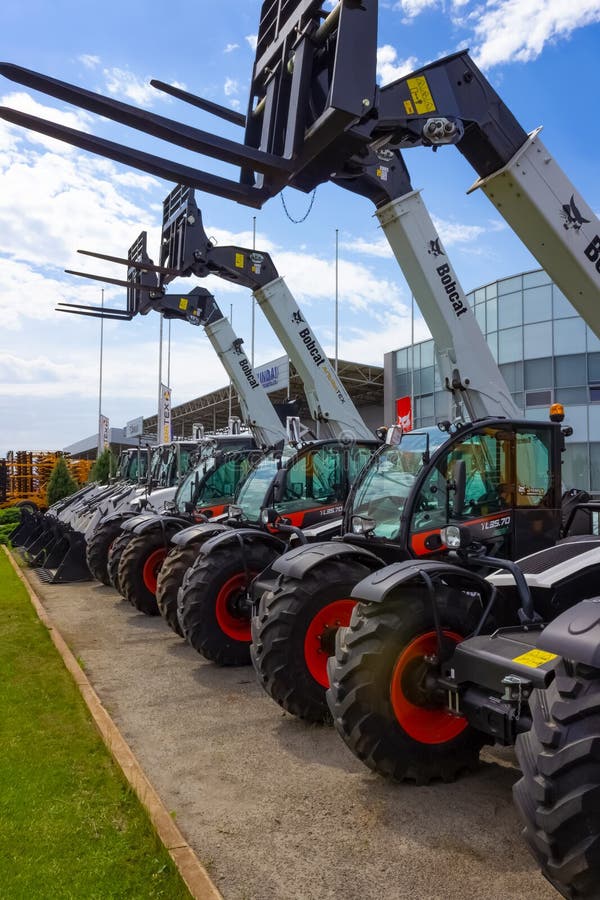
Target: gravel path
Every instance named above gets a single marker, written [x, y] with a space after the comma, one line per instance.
[276, 809]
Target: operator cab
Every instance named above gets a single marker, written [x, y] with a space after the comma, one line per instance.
[499, 478]
[306, 485]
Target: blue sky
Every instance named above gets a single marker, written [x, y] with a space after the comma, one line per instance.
[541, 57]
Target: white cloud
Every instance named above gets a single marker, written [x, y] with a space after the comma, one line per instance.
[414, 8]
[123, 83]
[389, 67]
[368, 346]
[13, 134]
[229, 48]
[452, 234]
[231, 87]
[517, 30]
[89, 61]
[252, 40]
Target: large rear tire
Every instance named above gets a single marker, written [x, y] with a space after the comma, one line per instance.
[115, 553]
[212, 614]
[98, 547]
[558, 796]
[138, 570]
[378, 693]
[293, 634]
[170, 579]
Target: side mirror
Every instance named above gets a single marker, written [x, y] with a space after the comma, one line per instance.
[460, 481]
[189, 506]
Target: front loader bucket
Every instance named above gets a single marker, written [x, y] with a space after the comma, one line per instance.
[30, 525]
[66, 561]
[40, 543]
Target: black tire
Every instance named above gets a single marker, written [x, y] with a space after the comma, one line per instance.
[138, 570]
[98, 546]
[206, 602]
[170, 579]
[558, 796]
[114, 558]
[28, 505]
[368, 696]
[294, 631]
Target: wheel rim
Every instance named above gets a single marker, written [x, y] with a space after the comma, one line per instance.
[319, 643]
[426, 724]
[232, 621]
[152, 568]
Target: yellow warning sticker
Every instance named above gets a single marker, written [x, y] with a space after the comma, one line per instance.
[533, 659]
[421, 95]
[239, 260]
[183, 303]
[409, 108]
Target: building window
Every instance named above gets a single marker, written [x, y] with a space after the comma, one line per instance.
[537, 304]
[569, 336]
[513, 376]
[594, 393]
[562, 308]
[537, 339]
[535, 279]
[538, 373]
[510, 345]
[538, 398]
[510, 310]
[508, 285]
[570, 370]
[571, 396]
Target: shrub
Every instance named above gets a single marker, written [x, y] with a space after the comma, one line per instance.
[104, 467]
[9, 515]
[61, 482]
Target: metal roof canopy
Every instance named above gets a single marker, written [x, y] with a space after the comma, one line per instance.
[363, 382]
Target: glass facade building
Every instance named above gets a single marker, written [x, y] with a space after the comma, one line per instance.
[546, 354]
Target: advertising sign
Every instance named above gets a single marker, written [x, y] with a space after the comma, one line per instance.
[164, 415]
[404, 413]
[103, 433]
[134, 428]
[274, 375]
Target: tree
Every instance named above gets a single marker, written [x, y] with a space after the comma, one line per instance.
[104, 467]
[61, 482]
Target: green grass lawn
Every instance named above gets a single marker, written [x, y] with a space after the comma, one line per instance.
[70, 826]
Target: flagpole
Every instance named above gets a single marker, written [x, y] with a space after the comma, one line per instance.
[100, 378]
[160, 355]
[336, 297]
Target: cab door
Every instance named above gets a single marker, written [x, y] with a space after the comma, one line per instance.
[488, 456]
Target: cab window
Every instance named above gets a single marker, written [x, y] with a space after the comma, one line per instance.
[315, 479]
[489, 486]
[358, 458]
[534, 476]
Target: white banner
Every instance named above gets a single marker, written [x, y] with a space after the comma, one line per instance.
[103, 434]
[164, 415]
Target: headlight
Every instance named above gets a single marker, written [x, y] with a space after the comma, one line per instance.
[362, 525]
[456, 536]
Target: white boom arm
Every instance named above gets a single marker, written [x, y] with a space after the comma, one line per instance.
[465, 362]
[550, 216]
[328, 400]
[257, 409]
